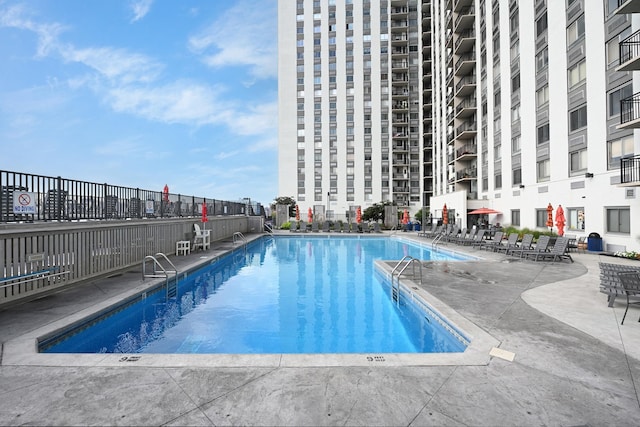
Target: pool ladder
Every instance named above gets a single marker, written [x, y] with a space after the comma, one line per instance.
[395, 283]
[159, 271]
[436, 240]
[239, 236]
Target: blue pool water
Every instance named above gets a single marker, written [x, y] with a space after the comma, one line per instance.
[281, 295]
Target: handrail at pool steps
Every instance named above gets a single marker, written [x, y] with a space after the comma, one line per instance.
[239, 236]
[172, 291]
[395, 290]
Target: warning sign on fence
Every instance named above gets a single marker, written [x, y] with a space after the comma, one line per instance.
[24, 203]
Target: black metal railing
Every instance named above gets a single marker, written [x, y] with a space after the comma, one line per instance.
[630, 47]
[630, 108]
[630, 170]
[28, 197]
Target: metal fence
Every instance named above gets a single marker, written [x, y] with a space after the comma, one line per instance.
[28, 197]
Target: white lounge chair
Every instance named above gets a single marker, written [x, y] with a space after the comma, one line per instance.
[201, 238]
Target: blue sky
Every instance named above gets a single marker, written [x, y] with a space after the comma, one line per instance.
[142, 93]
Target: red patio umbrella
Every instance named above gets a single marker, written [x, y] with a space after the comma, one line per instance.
[358, 215]
[484, 211]
[550, 216]
[445, 215]
[165, 193]
[297, 213]
[560, 220]
[204, 213]
[310, 215]
[405, 217]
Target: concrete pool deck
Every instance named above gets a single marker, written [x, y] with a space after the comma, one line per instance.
[574, 363]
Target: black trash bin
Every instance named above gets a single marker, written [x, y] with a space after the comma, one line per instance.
[594, 242]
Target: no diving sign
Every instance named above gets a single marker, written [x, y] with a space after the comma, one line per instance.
[24, 203]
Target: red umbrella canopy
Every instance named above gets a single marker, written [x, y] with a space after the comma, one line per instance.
[310, 215]
[165, 193]
[549, 215]
[445, 215]
[484, 211]
[204, 213]
[358, 215]
[560, 220]
[297, 213]
[405, 217]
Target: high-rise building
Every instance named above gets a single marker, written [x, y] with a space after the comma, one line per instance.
[512, 105]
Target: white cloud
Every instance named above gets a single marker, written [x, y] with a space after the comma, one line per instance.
[245, 35]
[15, 17]
[140, 8]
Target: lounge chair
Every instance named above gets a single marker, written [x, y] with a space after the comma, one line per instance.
[428, 233]
[477, 238]
[303, 227]
[451, 234]
[541, 247]
[610, 281]
[461, 236]
[490, 244]
[631, 285]
[376, 228]
[314, 227]
[525, 245]
[512, 242]
[559, 251]
[294, 227]
[326, 226]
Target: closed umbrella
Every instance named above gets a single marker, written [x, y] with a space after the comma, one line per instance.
[550, 216]
[405, 217]
[204, 215]
[445, 215]
[297, 213]
[165, 193]
[310, 215]
[358, 215]
[560, 220]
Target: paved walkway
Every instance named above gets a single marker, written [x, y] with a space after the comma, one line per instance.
[574, 363]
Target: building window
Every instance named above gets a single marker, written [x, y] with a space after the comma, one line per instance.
[515, 113]
[613, 48]
[515, 83]
[578, 161]
[542, 96]
[515, 144]
[575, 218]
[578, 118]
[542, 59]
[575, 31]
[619, 220]
[515, 217]
[616, 96]
[541, 218]
[617, 150]
[517, 176]
[577, 73]
[543, 170]
[543, 133]
[498, 181]
[541, 25]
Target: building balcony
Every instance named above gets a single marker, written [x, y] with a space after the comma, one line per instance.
[466, 108]
[466, 64]
[467, 174]
[466, 19]
[630, 53]
[467, 130]
[628, 6]
[630, 171]
[467, 152]
[461, 4]
[465, 41]
[466, 85]
[630, 112]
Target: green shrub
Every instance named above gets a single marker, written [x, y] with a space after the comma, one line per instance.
[285, 226]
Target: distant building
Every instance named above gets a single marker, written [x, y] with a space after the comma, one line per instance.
[507, 104]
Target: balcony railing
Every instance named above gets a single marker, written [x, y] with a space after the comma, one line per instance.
[630, 47]
[630, 170]
[630, 108]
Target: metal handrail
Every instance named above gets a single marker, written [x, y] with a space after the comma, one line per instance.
[238, 235]
[395, 290]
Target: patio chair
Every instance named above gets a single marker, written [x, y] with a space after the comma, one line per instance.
[610, 281]
[459, 237]
[428, 232]
[478, 236]
[376, 228]
[303, 227]
[525, 245]
[559, 251]
[314, 227]
[326, 227]
[631, 284]
[201, 238]
[294, 227]
[512, 242]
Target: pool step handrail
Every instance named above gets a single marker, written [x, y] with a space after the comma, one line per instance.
[268, 229]
[159, 271]
[239, 236]
[395, 284]
[436, 240]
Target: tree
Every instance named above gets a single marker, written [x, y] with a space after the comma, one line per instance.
[285, 200]
[375, 212]
[418, 216]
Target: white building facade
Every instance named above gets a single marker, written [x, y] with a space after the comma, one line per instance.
[505, 104]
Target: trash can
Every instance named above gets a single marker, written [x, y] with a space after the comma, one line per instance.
[594, 242]
[417, 226]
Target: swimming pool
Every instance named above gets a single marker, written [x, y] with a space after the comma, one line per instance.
[282, 295]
